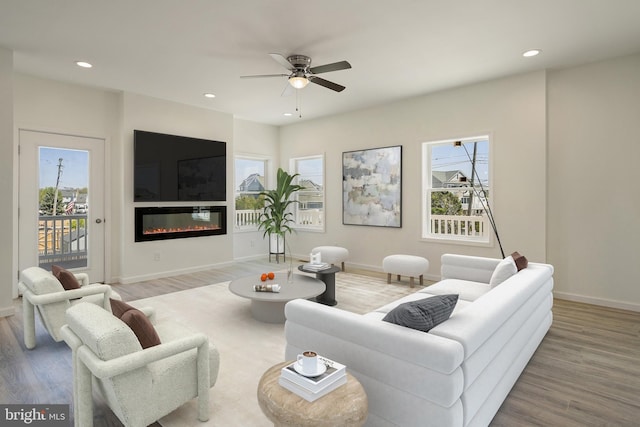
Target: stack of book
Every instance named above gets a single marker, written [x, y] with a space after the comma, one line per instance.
[316, 267]
[312, 388]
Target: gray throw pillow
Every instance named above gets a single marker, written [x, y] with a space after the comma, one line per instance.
[423, 314]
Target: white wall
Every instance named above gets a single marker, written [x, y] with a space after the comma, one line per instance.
[147, 260]
[593, 196]
[254, 139]
[511, 109]
[8, 267]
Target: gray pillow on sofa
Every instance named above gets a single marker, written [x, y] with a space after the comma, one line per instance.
[423, 314]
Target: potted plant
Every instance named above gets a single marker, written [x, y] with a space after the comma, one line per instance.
[276, 217]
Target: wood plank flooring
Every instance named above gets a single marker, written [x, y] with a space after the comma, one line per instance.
[586, 372]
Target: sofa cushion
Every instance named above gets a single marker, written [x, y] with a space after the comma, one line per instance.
[505, 269]
[107, 336]
[40, 281]
[423, 314]
[466, 289]
[65, 277]
[137, 321]
[520, 260]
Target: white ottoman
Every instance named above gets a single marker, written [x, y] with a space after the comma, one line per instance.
[332, 254]
[405, 265]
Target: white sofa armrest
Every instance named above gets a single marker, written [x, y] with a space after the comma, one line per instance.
[82, 278]
[54, 297]
[466, 267]
[129, 362]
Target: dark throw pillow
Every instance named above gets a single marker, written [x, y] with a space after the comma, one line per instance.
[118, 308]
[520, 260]
[65, 277]
[137, 321]
[423, 314]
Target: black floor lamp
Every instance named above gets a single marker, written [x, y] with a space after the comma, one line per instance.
[485, 205]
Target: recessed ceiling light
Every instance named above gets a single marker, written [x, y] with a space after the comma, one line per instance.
[83, 64]
[532, 52]
[209, 95]
[288, 114]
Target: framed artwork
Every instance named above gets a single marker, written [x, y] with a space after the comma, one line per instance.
[372, 187]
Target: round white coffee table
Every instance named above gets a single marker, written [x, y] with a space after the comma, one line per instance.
[269, 306]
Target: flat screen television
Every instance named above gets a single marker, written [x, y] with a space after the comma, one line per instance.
[170, 168]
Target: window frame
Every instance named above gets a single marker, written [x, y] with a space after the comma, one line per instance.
[293, 166]
[426, 234]
[266, 160]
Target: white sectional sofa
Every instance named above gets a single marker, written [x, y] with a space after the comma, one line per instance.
[458, 373]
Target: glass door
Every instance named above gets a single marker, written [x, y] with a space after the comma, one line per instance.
[61, 199]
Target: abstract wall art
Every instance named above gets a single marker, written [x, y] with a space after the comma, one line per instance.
[372, 187]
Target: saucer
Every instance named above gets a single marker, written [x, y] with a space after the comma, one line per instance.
[320, 369]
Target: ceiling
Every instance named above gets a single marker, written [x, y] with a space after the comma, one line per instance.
[179, 50]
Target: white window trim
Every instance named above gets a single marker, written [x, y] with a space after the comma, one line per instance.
[426, 183]
[292, 167]
[268, 161]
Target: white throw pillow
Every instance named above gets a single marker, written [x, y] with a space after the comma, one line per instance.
[503, 271]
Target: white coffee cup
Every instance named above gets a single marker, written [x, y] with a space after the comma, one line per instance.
[308, 360]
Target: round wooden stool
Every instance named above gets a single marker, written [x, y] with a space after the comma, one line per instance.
[345, 406]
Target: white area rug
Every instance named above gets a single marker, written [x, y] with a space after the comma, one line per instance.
[248, 347]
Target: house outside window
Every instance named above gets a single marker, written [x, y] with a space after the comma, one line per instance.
[309, 211]
[456, 190]
[249, 181]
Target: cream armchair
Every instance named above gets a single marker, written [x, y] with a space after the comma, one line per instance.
[140, 386]
[41, 289]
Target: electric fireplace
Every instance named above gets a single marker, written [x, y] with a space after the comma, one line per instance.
[160, 223]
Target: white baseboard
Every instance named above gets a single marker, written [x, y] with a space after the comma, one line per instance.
[7, 311]
[169, 273]
[249, 257]
[597, 301]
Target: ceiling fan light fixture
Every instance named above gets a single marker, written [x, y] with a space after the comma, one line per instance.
[298, 81]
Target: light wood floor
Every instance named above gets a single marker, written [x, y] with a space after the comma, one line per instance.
[586, 372]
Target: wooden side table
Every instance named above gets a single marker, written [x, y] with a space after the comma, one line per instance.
[345, 406]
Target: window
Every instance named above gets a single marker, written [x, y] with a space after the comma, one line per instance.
[456, 190]
[309, 211]
[249, 181]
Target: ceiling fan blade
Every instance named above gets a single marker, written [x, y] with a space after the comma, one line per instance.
[326, 83]
[342, 65]
[281, 60]
[256, 76]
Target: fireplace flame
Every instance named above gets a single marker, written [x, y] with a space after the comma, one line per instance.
[162, 230]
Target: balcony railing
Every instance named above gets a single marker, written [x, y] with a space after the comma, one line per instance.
[249, 219]
[457, 226]
[62, 240]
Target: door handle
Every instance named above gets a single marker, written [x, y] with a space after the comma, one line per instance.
[98, 221]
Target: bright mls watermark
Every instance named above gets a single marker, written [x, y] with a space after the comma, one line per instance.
[35, 415]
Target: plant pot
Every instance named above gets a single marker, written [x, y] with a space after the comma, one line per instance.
[276, 247]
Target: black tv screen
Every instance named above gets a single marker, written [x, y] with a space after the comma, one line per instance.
[170, 168]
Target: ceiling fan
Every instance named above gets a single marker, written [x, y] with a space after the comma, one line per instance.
[301, 72]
